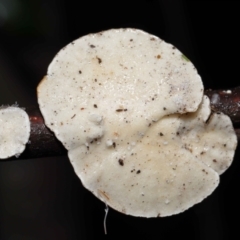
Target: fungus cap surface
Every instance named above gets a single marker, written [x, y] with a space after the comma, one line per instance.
[116, 99]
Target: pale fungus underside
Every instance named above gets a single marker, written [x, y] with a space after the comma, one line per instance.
[14, 131]
[130, 110]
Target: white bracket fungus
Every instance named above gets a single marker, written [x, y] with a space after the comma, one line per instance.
[14, 131]
[125, 104]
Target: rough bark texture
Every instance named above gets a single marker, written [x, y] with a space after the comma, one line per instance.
[42, 142]
[226, 101]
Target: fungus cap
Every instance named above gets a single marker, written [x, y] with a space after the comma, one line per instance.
[14, 131]
[125, 104]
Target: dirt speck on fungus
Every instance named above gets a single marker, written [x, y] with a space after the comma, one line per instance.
[99, 60]
[121, 162]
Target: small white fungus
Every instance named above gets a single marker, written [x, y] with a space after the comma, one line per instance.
[14, 131]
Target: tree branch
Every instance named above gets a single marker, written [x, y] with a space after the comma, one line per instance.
[43, 142]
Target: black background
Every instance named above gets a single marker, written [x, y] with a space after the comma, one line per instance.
[42, 199]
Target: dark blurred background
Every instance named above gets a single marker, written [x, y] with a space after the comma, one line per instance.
[42, 199]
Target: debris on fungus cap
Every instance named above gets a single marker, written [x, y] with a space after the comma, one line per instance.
[129, 108]
[14, 131]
